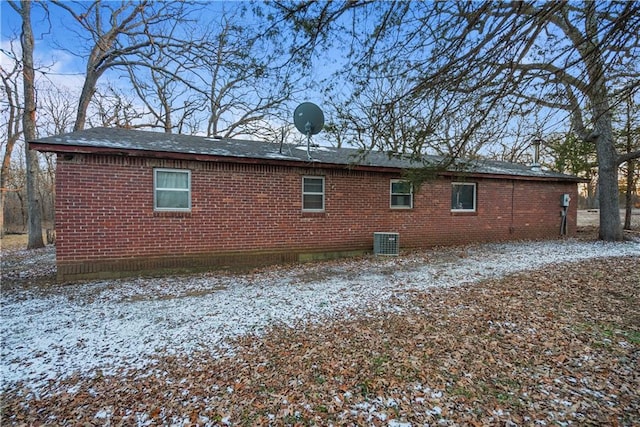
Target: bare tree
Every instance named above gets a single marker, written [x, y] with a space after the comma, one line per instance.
[246, 78]
[56, 115]
[11, 111]
[29, 124]
[111, 107]
[121, 34]
[56, 110]
[379, 115]
[630, 140]
[15, 209]
[170, 102]
[575, 58]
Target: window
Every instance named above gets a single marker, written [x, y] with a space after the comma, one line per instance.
[313, 193]
[401, 194]
[172, 190]
[463, 197]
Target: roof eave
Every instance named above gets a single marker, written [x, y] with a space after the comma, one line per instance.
[80, 149]
[516, 177]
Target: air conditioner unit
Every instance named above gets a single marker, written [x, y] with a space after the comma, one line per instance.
[386, 243]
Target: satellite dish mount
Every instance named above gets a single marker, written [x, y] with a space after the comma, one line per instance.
[309, 120]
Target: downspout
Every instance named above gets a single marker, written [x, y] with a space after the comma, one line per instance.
[513, 191]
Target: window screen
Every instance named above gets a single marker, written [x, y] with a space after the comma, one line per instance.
[401, 194]
[313, 193]
[172, 189]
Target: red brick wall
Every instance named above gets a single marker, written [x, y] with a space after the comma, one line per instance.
[105, 219]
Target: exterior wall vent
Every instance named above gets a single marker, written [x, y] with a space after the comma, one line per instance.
[386, 243]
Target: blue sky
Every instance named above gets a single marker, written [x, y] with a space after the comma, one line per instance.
[53, 33]
[44, 30]
[60, 53]
[57, 49]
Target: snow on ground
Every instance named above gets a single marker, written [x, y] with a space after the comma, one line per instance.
[50, 333]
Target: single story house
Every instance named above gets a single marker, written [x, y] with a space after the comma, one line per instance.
[134, 202]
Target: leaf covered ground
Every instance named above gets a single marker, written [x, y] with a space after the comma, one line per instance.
[557, 346]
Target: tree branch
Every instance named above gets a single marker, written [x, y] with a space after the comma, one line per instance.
[628, 156]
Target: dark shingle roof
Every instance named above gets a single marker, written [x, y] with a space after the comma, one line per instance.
[136, 142]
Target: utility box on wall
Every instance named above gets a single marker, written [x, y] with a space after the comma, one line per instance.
[386, 243]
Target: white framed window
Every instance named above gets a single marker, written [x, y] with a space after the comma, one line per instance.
[172, 190]
[463, 197]
[313, 193]
[401, 194]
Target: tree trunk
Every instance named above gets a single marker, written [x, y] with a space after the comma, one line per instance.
[592, 195]
[6, 163]
[13, 134]
[29, 130]
[602, 134]
[628, 211]
[608, 192]
[2, 199]
[628, 196]
[88, 89]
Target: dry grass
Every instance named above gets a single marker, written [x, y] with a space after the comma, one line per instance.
[13, 241]
[591, 218]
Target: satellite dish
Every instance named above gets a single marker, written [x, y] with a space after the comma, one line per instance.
[309, 120]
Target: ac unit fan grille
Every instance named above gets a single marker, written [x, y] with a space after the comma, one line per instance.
[386, 243]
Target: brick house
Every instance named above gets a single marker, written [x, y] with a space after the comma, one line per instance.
[133, 202]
